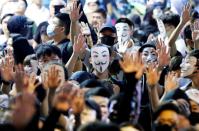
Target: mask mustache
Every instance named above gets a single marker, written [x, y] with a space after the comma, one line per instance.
[100, 63]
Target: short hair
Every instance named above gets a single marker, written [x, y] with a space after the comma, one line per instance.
[175, 63]
[146, 45]
[99, 126]
[125, 20]
[94, 106]
[195, 53]
[101, 11]
[98, 91]
[6, 15]
[187, 33]
[171, 19]
[64, 20]
[47, 50]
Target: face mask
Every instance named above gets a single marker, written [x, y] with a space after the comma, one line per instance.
[163, 127]
[100, 58]
[188, 66]
[122, 32]
[194, 118]
[108, 40]
[149, 56]
[50, 30]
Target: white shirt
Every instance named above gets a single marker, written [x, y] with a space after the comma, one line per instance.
[38, 15]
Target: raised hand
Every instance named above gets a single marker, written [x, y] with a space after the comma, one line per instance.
[195, 33]
[163, 54]
[75, 13]
[6, 68]
[32, 83]
[171, 82]
[132, 63]
[185, 16]
[152, 75]
[50, 78]
[20, 78]
[78, 102]
[24, 110]
[85, 30]
[79, 44]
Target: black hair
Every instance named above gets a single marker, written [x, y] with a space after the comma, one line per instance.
[21, 49]
[64, 20]
[175, 63]
[125, 20]
[41, 29]
[6, 15]
[91, 83]
[101, 11]
[99, 126]
[146, 45]
[171, 19]
[187, 33]
[98, 91]
[94, 106]
[47, 50]
[81, 76]
[166, 106]
[195, 53]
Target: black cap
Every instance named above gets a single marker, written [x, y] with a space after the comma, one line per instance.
[107, 27]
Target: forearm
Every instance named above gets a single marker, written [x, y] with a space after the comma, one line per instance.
[70, 65]
[173, 37]
[73, 30]
[154, 97]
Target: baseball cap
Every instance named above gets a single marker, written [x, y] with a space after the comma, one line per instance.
[107, 27]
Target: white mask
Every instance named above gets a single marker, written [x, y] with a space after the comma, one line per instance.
[100, 58]
[149, 55]
[123, 32]
[188, 66]
[50, 30]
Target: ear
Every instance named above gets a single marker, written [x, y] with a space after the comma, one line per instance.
[62, 29]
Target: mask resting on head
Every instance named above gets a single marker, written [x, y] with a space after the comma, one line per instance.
[194, 118]
[108, 40]
[50, 30]
[100, 58]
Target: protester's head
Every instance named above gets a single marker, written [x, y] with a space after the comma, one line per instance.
[4, 22]
[194, 104]
[47, 53]
[98, 17]
[124, 28]
[91, 112]
[31, 64]
[166, 117]
[18, 25]
[41, 33]
[100, 58]
[21, 6]
[108, 35]
[148, 53]
[101, 96]
[174, 65]
[170, 21]
[21, 49]
[59, 26]
[99, 126]
[55, 6]
[190, 65]
[37, 2]
[188, 37]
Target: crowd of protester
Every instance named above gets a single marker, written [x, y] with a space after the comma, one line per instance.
[99, 65]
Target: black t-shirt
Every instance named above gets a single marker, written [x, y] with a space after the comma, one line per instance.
[66, 48]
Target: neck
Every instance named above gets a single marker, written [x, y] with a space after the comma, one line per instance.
[103, 75]
[59, 39]
[38, 5]
[195, 82]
